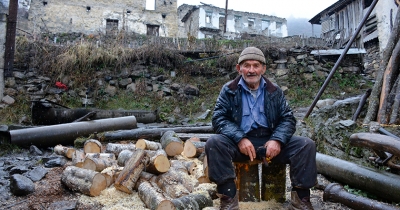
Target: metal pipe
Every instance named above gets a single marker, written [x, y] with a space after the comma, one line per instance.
[334, 192]
[346, 49]
[65, 134]
[380, 183]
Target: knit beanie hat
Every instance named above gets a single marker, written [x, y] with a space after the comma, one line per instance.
[252, 53]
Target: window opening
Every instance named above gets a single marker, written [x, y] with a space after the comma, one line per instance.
[208, 16]
[150, 4]
[251, 22]
[264, 24]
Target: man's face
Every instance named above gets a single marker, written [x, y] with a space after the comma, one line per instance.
[251, 71]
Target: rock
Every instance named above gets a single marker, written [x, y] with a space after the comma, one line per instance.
[301, 57]
[191, 90]
[55, 161]
[36, 174]
[131, 87]
[20, 185]
[8, 100]
[35, 151]
[175, 86]
[18, 170]
[124, 82]
[111, 90]
[204, 115]
[63, 205]
[325, 102]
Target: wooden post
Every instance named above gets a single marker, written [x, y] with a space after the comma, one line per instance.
[272, 186]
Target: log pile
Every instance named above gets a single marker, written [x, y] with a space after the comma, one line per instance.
[159, 172]
[384, 101]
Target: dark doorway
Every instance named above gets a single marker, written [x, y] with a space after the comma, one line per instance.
[153, 30]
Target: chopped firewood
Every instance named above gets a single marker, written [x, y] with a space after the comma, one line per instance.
[97, 163]
[198, 200]
[159, 162]
[92, 146]
[144, 176]
[182, 178]
[193, 148]
[171, 186]
[152, 198]
[148, 145]
[178, 165]
[211, 188]
[117, 148]
[101, 155]
[64, 151]
[205, 166]
[77, 158]
[198, 173]
[194, 139]
[111, 173]
[83, 180]
[172, 144]
[131, 172]
[124, 156]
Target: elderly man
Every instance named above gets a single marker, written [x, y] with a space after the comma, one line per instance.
[253, 120]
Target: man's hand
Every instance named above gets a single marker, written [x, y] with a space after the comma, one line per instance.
[247, 148]
[273, 148]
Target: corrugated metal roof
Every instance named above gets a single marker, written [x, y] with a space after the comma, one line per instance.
[338, 51]
[371, 36]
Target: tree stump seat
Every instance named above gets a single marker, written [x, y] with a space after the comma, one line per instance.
[273, 181]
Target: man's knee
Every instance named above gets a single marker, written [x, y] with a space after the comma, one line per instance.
[211, 142]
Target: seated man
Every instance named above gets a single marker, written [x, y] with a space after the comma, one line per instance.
[252, 113]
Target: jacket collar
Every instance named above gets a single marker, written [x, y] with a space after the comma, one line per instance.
[270, 87]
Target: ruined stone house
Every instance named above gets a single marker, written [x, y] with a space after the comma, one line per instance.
[152, 17]
[206, 21]
[340, 20]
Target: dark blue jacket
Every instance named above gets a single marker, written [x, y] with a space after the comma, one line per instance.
[227, 114]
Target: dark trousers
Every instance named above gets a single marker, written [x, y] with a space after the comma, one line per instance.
[299, 153]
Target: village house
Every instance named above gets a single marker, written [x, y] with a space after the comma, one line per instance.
[206, 21]
[340, 20]
[151, 17]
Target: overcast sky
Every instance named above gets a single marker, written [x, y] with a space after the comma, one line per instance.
[280, 8]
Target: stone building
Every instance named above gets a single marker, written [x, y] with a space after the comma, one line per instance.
[152, 17]
[206, 21]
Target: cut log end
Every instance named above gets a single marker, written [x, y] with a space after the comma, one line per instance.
[99, 184]
[189, 150]
[166, 205]
[174, 148]
[162, 164]
[141, 144]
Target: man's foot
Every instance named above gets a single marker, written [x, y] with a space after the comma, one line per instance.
[297, 204]
[228, 203]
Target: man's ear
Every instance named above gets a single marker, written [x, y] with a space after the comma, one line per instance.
[238, 68]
